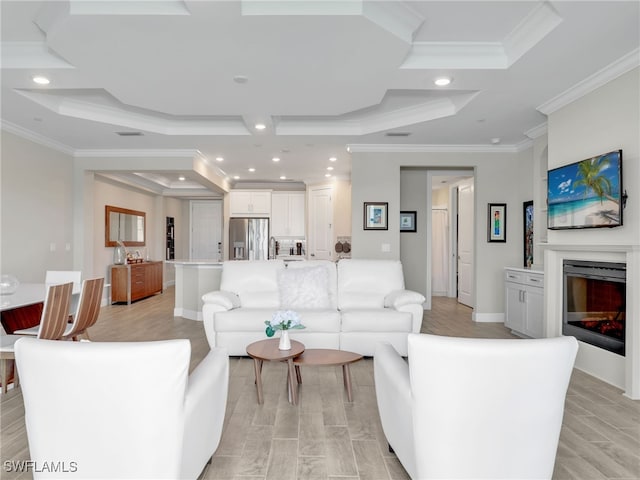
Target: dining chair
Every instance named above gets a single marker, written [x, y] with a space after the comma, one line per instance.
[86, 314]
[472, 408]
[88, 309]
[53, 324]
[54, 277]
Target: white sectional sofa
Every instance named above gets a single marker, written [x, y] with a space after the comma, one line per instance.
[351, 305]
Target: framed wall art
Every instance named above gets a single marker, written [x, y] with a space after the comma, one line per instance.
[408, 221]
[527, 216]
[497, 222]
[376, 215]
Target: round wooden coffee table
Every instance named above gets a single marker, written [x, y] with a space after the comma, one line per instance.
[268, 350]
[327, 357]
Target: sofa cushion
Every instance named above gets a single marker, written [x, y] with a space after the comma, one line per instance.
[376, 320]
[365, 283]
[254, 281]
[242, 320]
[304, 288]
[400, 298]
[332, 276]
[252, 320]
[319, 321]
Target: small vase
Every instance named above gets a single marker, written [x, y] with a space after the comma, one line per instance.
[285, 343]
[119, 254]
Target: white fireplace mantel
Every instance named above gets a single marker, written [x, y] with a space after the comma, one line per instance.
[623, 372]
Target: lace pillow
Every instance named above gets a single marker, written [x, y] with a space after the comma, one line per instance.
[304, 288]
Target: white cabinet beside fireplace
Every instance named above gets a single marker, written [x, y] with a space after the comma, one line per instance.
[524, 301]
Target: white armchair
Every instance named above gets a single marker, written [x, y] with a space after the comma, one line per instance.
[121, 409]
[467, 408]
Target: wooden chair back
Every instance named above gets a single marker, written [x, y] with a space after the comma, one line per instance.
[55, 313]
[88, 308]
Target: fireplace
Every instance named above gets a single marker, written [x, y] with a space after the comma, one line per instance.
[594, 303]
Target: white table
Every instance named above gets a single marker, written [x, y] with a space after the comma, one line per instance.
[30, 294]
[27, 294]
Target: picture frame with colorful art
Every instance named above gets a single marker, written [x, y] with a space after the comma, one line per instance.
[376, 215]
[527, 217]
[408, 221]
[497, 222]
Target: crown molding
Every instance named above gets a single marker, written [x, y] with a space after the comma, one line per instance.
[537, 132]
[589, 84]
[137, 153]
[35, 137]
[422, 148]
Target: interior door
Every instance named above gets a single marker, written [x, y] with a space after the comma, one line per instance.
[465, 242]
[320, 223]
[206, 229]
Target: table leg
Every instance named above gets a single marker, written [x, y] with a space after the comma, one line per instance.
[346, 375]
[293, 388]
[4, 374]
[257, 366]
[298, 375]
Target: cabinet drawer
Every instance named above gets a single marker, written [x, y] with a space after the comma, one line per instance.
[514, 276]
[535, 280]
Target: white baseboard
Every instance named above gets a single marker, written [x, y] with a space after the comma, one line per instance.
[488, 317]
[189, 314]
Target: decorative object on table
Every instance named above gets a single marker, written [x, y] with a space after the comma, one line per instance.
[497, 222]
[376, 215]
[283, 320]
[408, 221]
[119, 253]
[527, 216]
[8, 284]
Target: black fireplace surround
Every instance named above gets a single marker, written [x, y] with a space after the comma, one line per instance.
[594, 303]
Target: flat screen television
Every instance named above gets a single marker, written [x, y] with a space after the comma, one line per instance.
[586, 194]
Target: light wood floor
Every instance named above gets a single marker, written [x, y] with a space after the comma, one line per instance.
[327, 437]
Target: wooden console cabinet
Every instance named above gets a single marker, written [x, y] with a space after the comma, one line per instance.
[135, 281]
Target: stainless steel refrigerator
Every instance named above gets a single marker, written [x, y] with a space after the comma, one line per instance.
[248, 238]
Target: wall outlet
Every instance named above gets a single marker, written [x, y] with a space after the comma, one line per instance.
[386, 247]
[52, 247]
[67, 247]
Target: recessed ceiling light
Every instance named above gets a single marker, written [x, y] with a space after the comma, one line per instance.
[252, 169]
[275, 159]
[327, 175]
[333, 159]
[442, 81]
[329, 168]
[181, 178]
[282, 177]
[240, 79]
[495, 140]
[219, 159]
[236, 177]
[260, 126]
[41, 80]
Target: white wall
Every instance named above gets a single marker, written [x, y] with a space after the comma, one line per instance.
[499, 178]
[413, 246]
[109, 193]
[36, 210]
[605, 120]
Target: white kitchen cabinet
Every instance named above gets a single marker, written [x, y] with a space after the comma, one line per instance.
[524, 301]
[287, 214]
[249, 203]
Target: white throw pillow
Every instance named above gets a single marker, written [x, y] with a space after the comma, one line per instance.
[304, 288]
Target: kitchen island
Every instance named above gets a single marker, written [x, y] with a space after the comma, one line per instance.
[194, 278]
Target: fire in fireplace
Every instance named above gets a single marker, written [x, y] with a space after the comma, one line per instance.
[595, 303]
